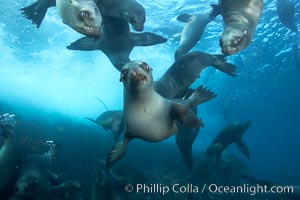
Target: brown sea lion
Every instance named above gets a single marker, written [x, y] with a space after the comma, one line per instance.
[240, 20]
[117, 41]
[81, 15]
[231, 133]
[185, 70]
[37, 11]
[193, 30]
[148, 115]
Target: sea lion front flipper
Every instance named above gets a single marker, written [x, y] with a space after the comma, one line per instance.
[184, 17]
[184, 115]
[221, 64]
[117, 153]
[243, 148]
[85, 44]
[36, 13]
[200, 95]
[146, 39]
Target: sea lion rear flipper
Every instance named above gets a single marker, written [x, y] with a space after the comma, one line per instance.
[117, 153]
[184, 115]
[243, 148]
[221, 64]
[147, 39]
[36, 13]
[200, 95]
[85, 44]
[184, 17]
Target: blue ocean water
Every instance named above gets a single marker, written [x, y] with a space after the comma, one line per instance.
[53, 89]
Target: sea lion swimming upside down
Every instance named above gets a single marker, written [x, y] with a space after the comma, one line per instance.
[148, 115]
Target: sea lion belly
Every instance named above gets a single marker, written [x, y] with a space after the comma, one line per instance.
[149, 120]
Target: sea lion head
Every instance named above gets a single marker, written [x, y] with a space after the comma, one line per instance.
[26, 186]
[84, 17]
[234, 40]
[136, 74]
[136, 16]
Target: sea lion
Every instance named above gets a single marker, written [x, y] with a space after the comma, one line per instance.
[111, 120]
[117, 41]
[148, 115]
[286, 13]
[193, 30]
[185, 70]
[101, 188]
[10, 157]
[240, 20]
[37, 11]
[231, 133]
[81, 15]
[35, 176]
[130, 10]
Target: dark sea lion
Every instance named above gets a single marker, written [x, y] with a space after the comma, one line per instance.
[101, 188]
[35, 177]
[10, 158]
[184, 71]
[286, 13]
[111, 120]
[81, 15]
[231, 133]
[130, 10]
[193, 30]
[117, 41]
[240, 20]
[148, 115]
[37, 11]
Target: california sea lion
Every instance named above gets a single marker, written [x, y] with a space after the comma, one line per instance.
[117, 41]
[148, 115]
[111, 120]
[286, 13]
[231, 133]
[10, 157]
[35, 177]
[193, 30]
[37, 11]
[240, 20]
[81, 15]
[130, 10]
[185, 70]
